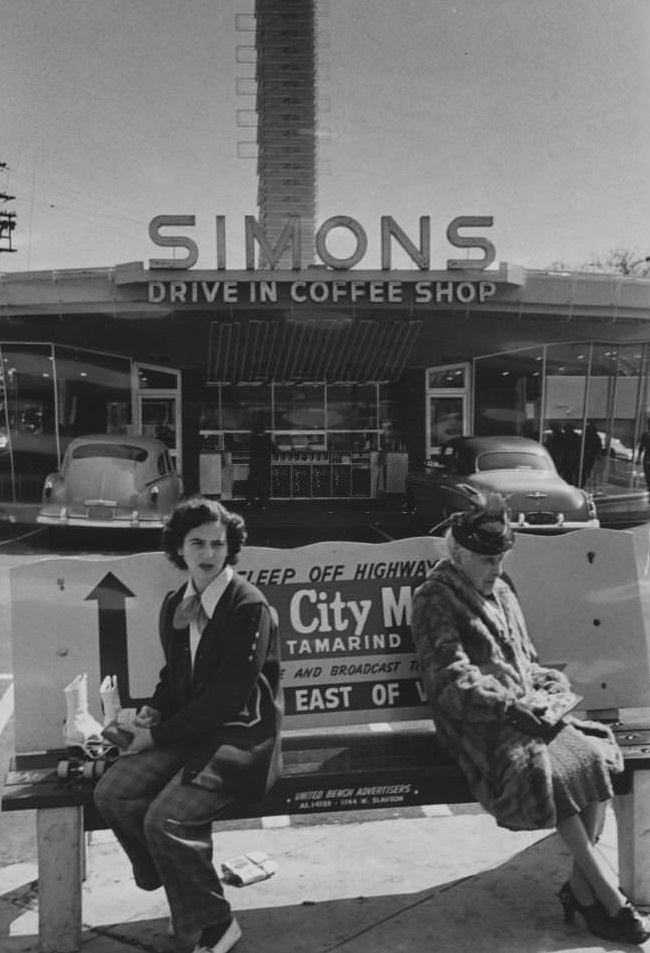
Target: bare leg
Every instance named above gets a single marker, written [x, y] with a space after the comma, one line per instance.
[574, 834]
[593, 819]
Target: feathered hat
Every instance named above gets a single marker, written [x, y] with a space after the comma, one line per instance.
[486, 527]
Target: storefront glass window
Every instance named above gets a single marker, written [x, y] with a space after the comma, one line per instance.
[7, 488]
[446, 416]
[447, 377]
[30, 449]
[508, 390]
[614, 405]
[568, 388]
[300, 407]
[595, 408]
[94, 393]
[357, 441]
[156, 379]
[210, 418]
[351, 406]
[390, 417]
[244, 404]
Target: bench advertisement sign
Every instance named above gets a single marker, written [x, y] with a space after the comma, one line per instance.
[345, 616]
[344, 612]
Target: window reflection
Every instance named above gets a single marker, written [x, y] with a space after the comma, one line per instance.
[300, 407]
[93, 393]
[241, 405]
[509, 392]
[595, 404]
[30, 443]
[351, 406]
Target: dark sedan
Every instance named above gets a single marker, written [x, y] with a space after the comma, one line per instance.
[522, 470]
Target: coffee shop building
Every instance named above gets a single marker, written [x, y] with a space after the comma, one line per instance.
[358, 375]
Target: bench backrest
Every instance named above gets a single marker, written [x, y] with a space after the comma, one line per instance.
[344, 611]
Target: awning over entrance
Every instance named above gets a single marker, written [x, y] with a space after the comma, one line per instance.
[338, 349]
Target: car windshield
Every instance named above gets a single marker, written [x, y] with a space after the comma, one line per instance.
[115, 451]
[506, 460]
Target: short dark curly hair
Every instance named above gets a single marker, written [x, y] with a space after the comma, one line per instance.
[193, 512]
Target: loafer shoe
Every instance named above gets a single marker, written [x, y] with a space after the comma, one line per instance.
[219, 938]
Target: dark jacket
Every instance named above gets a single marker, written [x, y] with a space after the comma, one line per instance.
[229, 709]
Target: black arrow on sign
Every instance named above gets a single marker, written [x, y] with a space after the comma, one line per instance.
[111, 595]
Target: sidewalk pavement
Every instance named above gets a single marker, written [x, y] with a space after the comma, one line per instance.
[431, 880]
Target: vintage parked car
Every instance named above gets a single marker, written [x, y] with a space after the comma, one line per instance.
[109, 480]
[521, 469]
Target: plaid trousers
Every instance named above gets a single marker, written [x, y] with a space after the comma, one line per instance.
[165, 827]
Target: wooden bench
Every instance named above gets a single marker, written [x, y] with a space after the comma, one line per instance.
[335, 771]
[367, 745]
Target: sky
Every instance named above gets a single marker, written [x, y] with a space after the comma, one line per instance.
[535, 112]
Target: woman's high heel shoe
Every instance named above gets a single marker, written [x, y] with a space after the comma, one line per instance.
[594, 914]
[627, 926]
[631, 926]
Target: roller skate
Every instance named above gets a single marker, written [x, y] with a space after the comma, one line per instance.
[118, 722]
[88, 752]
[110, 699]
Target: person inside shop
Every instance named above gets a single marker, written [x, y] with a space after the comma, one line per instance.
[570, 454]
[261, 450]
[593, 449]
[643, 452]
[210, 733]
[503, 716]
[555, 445]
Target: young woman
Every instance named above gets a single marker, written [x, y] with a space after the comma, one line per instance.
[494, 706]
[210, 733]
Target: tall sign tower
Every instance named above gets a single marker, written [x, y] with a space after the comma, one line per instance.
[286, 119]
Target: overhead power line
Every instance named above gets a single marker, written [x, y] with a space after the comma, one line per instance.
[7, 219]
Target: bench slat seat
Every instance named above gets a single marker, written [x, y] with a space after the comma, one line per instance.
[358, 769]
[336, 771]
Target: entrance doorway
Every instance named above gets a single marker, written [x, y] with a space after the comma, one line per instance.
[158, 407]
[447, 408]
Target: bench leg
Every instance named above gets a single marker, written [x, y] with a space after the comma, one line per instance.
[633, 824]
[60, 838]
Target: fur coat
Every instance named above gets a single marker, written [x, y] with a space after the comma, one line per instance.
[475, 659]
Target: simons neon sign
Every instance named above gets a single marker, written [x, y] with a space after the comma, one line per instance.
[288, 242]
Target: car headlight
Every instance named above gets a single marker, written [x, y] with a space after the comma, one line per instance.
[48, 486]
[154, 493]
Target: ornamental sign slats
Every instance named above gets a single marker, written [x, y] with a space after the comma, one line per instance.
[388, 341]
[280, 373]
[410, 337]
[376, 345]
[353, 359]
[270, 354]
[256, 338]
[298, 343]
[301, 351]
[329, 351]
[331, 354]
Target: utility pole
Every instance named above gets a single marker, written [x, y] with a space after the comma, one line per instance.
[7, 219]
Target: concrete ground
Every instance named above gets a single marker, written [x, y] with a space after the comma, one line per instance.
[437, 880]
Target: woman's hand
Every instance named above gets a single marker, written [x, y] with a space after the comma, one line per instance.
[142, 741]
[526, 719]
[147, 717]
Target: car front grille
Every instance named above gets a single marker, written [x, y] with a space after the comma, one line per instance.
[541, 518]
[100, 513]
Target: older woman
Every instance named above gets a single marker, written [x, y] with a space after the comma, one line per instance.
[500, 714]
